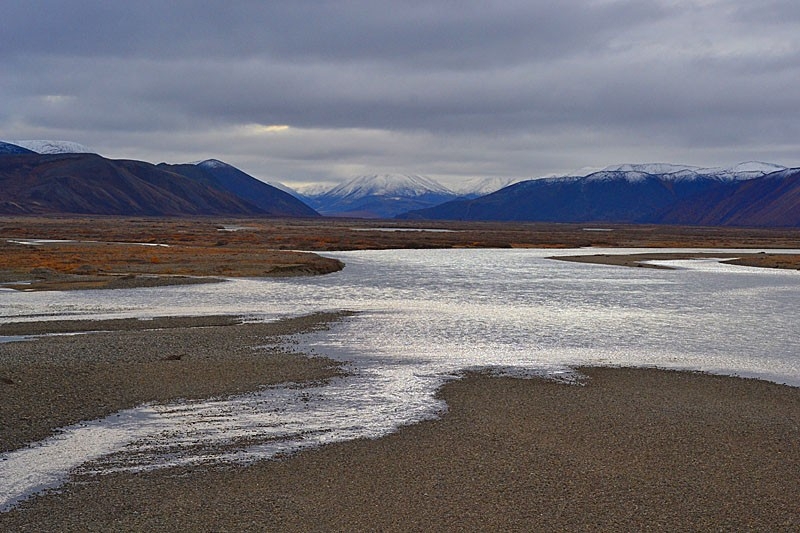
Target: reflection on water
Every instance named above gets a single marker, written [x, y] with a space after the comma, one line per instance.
[424, 316]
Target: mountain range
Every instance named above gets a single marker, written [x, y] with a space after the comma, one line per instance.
[389, 195]
[53, 147]
[66, 179]
[380, 196]
[85, 183]
[749, 194]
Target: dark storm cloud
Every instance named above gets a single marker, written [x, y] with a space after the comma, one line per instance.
[514, 88]
[437, 33]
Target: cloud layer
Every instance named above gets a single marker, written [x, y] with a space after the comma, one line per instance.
[304, 91]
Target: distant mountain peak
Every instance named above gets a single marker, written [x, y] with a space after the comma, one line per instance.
[649, 168]
[757, 166]
[627, 175]
[54, 147]
[406, 185]
[481, 186]
[380, 195]
[212, 163]
[741, 171]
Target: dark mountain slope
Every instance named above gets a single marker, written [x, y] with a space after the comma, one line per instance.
[91, 184]
[773, 200]
[636, 197]
[271, 200]
[8, 148]
[604, 196]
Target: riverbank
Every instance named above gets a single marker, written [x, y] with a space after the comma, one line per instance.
[631, 449]
[54, 381]
[60, 253]
[57, 265]
[761, 260]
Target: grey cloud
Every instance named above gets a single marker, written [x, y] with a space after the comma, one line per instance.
[516, 88]
[776, 12]
[455, 33]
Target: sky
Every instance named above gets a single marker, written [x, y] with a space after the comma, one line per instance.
[307, 92]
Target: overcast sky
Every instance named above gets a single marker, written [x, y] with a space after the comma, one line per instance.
[321, 91]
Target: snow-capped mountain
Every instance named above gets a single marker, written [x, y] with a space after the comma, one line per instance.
[381, 195]
[475, 187]
[54, 147]
[742, 171]
[314, 190]
[211, 164]
[399, 185]
[752, 193]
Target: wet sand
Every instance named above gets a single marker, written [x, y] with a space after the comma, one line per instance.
[630, 450]
[51, 382]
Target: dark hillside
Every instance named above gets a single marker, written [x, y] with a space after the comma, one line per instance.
[91, 184]
[636, 198]
[271, 200]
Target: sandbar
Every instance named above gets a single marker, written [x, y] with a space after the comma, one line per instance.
[755, 259]
[628, 450]
[53, 381]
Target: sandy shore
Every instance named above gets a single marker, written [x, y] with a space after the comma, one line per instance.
[50, 382]
[631, 450]
[763, 260]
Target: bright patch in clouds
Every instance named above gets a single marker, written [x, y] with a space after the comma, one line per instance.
[56, 99]
[261, 129]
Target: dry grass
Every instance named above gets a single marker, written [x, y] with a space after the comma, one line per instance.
[112, 251]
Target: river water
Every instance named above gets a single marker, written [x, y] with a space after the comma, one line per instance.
[423, 316]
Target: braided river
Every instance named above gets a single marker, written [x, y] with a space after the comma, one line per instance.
[422, 317]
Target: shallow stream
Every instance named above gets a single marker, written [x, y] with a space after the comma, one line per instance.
[423, 317]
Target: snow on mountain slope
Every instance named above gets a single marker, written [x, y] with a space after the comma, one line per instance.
[381, 196]
[54, 147]
[637, 172]
[629, 175]
[482, 186]
[650, 168]
[314, 190]
[757, 166]
[211, 163]
[388, 185]
[742, 171]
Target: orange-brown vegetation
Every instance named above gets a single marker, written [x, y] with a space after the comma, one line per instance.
[100, 253]
[102, 249]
